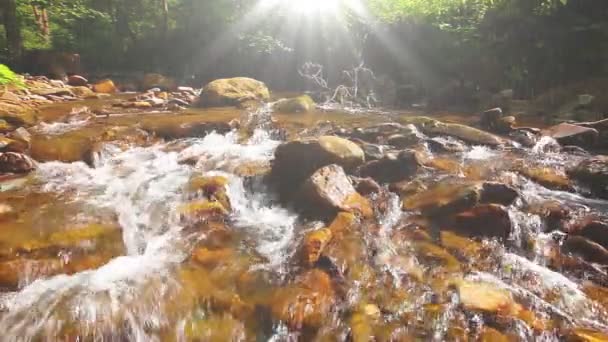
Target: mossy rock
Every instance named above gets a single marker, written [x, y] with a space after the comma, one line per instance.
[232, 91]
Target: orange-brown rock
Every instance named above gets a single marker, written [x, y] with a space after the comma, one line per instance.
[329, 191]
[105, 87]
[313, 245]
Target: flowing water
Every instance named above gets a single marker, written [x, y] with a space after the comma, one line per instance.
[69, 276]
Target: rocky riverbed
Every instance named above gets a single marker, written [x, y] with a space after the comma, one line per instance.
[180, 215]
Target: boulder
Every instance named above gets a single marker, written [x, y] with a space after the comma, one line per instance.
[77, 81]
[11, 162]
[106, 86]
[159, 81]
[569, 134]
[300, 104]
[463, 132]
[295, 161]
[485, 220]
[231, 91]
[393, 168]
[329, 191]
[592, 173]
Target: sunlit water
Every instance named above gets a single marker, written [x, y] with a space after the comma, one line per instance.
[143, 186]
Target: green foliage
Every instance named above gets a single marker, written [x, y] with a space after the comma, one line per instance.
[9, 78]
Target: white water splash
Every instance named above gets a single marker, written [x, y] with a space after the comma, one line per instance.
[143, 186]
[480, 153]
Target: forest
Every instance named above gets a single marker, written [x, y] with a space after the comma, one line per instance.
[526, 45]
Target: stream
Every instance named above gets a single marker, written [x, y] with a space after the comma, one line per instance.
[118, 236]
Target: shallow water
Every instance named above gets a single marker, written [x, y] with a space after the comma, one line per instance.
[165, 277]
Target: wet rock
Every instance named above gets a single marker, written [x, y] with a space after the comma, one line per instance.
[585, 335]
[371, 151]
[596, 231]
[105, 87]
[592, 173]
[88, 237]
[212, 257]
[313, 245]
[569, 134]
[486, 297]
[362, 322]
[407, 188]
[444, 199]
[231, 91]
[16, 272]
[587, 249]
[306, 303]
[401, 141]
[545, 176]
[18, 118]
[214, 328]
[486, 220]
[47, 92]
[524, 137]
[492, 335]
[392, 168]
[10, 145]
[499, 193]
[11, 162]
[159, 81]
[77, 81]
[202, 210]
[442, 145]
[366, 186]
[434, 254]
[84, 92]
[329, 191]
[466, 133]
[300, 104]
[7, 212]
[295, 161]
[490, 118]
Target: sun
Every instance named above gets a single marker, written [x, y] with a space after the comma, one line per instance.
[313, 7]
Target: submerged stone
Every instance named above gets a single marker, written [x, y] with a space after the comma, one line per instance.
[486, 297]
[547, 177]
[313, 245]
[443, 199]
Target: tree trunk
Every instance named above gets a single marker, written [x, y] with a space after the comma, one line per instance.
[42, 21]
[12, 29]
